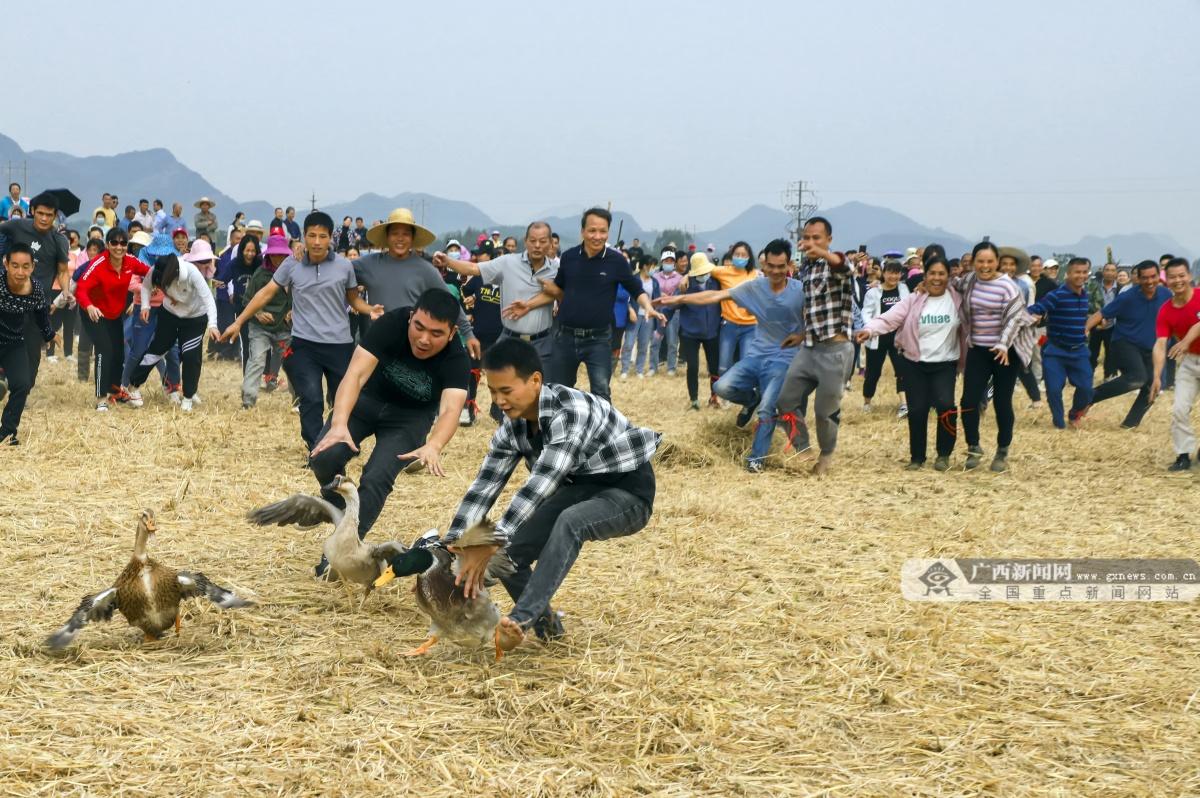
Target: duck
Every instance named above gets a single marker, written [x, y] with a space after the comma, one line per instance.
[452, 616]
[147, 593]
[351, 559]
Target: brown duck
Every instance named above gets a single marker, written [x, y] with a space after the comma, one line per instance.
[147, 593]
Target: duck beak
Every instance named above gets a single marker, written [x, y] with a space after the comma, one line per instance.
[385, 577]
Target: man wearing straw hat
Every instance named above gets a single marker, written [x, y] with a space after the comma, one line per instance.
[520, 277]
[205, 222]
[396, 276]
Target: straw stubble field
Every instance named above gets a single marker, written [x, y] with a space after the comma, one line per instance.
[751, 641]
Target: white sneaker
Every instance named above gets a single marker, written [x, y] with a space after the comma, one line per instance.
[70, 358]
[867, 407]
[175, 396]
[135, 399]
[464, 418]
[670, 372]
[51, 358]
[641, 376]
[102, 406]
[902, 412]
[624, 375]
[186, 404]
[196, 399]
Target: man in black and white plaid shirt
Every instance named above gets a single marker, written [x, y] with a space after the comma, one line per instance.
[820, 365]
[590, 478]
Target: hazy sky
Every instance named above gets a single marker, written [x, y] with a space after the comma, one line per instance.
[1029, 120]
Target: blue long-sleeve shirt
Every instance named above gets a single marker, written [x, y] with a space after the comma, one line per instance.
[1066, 314]
[1135, 315]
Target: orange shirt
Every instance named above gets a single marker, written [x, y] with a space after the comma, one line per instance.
[727, 277]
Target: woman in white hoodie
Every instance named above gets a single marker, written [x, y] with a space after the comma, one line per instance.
[879, 300]
[189, 311]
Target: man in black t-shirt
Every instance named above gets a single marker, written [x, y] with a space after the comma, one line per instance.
[50, 257]
[409, 366]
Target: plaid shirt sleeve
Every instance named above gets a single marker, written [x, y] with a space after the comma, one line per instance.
[497, 468]
[564, 438]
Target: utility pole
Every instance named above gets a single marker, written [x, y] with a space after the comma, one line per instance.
[314, 200]
[800, 201]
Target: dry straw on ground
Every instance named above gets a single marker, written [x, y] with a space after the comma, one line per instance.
[751, 641]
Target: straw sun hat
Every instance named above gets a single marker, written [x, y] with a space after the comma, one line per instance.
[422, 236]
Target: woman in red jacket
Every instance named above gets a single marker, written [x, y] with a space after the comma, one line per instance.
[103, 293]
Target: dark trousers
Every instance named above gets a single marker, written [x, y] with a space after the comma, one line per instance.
[306, 365]
[226, 313]
[690, 348]
[397, 431]
[85, 351]
[592, 350]
[1136, 366]
[1101, 338]
[930, 386]
[1030, 384]
[981, 367]
[15, 362]
[171, 330]
[875, 357]
[108, 338]
[35, 347]
[555, 533]
[63, 319]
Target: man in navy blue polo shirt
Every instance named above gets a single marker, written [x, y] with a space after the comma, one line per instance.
[1066, 356]
[586, 289]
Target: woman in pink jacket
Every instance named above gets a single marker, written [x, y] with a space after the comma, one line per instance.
[931, 337]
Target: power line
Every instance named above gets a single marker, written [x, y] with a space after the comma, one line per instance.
[801, 202]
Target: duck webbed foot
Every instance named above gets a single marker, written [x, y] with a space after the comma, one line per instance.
[423, 649]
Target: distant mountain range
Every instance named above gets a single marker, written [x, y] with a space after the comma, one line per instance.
[157, 173]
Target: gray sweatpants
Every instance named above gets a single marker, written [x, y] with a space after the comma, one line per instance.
[820, 369]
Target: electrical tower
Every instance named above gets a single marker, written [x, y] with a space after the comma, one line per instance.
[801, 202]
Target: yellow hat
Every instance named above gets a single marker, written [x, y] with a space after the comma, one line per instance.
[422, 236]
[699, 265]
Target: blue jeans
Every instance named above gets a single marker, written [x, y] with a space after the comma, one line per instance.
[734, 340]
[641, 334]
[138, 335]
[307, 364]
[556, 531]
[671, 333]
[1060, 365]
[751, 379]
[592, 348]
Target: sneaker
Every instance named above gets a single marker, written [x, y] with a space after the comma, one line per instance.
[175, 396]
[321, 570]
[186, 404]
[1036, 405]
[51, 358]
[974, 457]
[670, 372]
[122, 397]
[755, 466]
[135, 399]
[941, 464]
[714, 401]
[867, 407]
[70, 358]
[747, 412]
[641, 376]
[914, 465]
[695, 405]
[652, 373]
[1000, 461]
[414, 467]
[196, 399]
[1077, 421]
[1182, 463]
[102, 407]
[902, 412]
[270, 386]
[624, 375]
[247, 405]
[464, 418]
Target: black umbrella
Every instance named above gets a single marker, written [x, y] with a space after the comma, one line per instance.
[68, 203]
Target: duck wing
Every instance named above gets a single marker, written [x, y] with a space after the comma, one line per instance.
[302, 510]
[193, 584]
[387, 551]
[483, 533]
[96, 607]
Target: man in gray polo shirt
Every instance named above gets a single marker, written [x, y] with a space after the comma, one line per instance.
[520, 277]
[322, 283]
[396, 276]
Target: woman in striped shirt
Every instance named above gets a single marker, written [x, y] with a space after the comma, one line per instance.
[999, 343]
